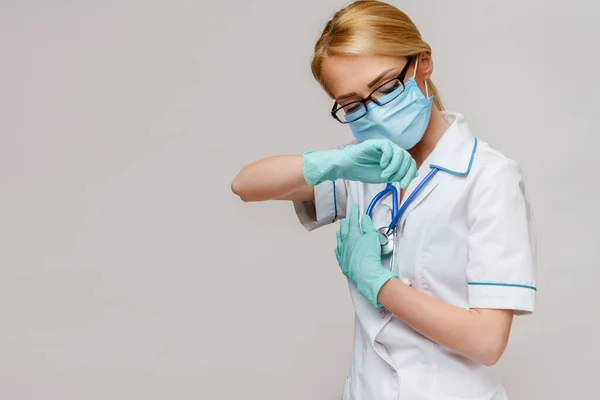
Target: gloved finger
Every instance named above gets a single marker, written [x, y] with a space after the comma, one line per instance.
[410, 175]
[401, 175]
[367, 224]
[407, 173]
[406, 161]
[387, 152]
[394, 165]
[344, 229]
[354, 222]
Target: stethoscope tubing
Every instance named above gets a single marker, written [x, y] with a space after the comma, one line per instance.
[411, 198]
[389, 188]
[397, 213]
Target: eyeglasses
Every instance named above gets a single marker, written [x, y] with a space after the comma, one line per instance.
[383, 94]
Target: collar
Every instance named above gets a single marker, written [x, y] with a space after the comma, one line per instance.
[456, 149]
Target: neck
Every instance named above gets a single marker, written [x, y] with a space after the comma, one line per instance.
[435, 130]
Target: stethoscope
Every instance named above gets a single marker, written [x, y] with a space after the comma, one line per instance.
[389, 232]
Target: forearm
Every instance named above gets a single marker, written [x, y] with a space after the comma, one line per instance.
[480, 335]
[271, 178]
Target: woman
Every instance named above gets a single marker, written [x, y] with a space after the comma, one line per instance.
[435, 314]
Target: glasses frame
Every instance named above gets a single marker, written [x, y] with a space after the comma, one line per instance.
[399, 77]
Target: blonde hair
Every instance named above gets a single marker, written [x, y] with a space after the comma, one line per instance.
[370, 27]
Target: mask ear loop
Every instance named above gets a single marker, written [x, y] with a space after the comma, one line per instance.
[415, 74]
[416, 66]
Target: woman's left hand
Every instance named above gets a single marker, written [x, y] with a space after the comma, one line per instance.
[358, 254]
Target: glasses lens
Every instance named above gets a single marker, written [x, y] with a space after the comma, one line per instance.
[351, 112]
[388, 91]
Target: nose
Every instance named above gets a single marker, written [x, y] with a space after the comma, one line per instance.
[368, 101]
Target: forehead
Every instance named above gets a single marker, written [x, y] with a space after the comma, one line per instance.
[352, 73]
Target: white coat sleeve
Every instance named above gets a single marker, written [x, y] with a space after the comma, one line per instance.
[501, 272]
[329, 205]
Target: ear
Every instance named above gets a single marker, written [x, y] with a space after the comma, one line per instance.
[425, 67]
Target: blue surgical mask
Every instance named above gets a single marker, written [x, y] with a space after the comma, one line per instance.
[403, 120]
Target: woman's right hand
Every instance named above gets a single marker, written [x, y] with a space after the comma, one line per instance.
[371, 161]
[394, 163]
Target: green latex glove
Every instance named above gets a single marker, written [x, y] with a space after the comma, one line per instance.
[371, 161]
[358, 253]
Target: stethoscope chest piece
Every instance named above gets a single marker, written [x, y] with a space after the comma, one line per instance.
[386, 240]
[388, 233]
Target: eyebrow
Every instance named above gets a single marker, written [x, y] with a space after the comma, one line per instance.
[370, 84]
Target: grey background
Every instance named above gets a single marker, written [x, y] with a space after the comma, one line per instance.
[128, 270]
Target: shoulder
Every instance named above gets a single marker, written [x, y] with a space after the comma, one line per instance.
[460, 146]
[492, 167]
[495, 183]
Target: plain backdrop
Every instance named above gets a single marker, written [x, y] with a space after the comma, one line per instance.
[128, 269]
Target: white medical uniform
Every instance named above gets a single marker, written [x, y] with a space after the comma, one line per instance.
[467, 239]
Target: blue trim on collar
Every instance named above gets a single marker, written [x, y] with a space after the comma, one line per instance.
[502, 284]
[457, 173]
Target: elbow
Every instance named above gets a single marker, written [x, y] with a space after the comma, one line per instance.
[489, 360]
[242, 187]
[238, 189]
[490, 351]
